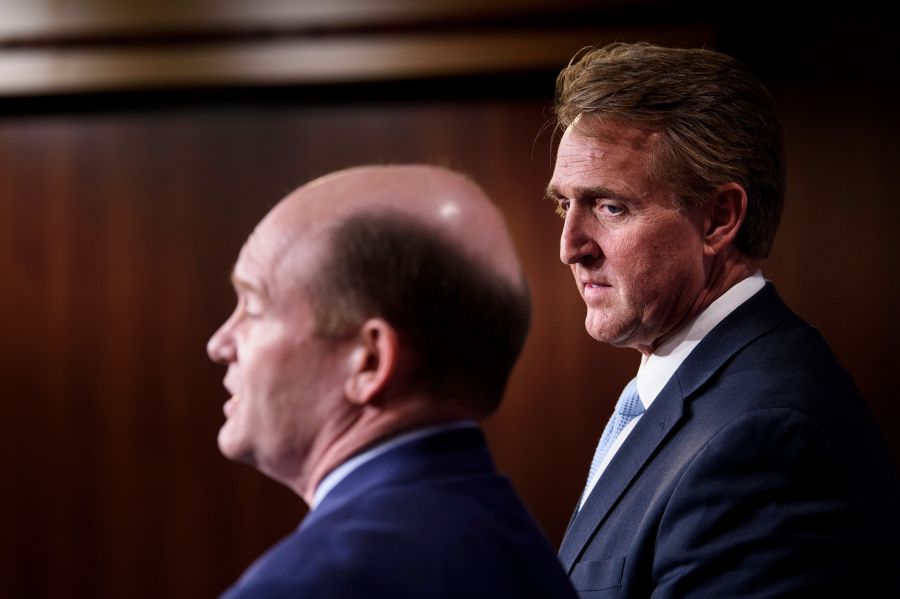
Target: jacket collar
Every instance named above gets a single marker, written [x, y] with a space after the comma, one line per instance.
[755, 317]
[455, 452]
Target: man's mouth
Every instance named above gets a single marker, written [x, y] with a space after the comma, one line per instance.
[595, 285]
[230, 406]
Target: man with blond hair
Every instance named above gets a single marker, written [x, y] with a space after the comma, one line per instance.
[741, 460]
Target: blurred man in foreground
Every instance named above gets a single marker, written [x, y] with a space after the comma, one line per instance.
[380, 311]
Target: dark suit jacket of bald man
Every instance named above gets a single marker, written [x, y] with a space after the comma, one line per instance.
[756, 472]
[427, 519]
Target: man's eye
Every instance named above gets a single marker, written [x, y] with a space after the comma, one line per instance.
[613, 209]
[250, 307]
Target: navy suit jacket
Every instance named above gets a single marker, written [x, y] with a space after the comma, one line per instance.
[756, 472]
[429, 518]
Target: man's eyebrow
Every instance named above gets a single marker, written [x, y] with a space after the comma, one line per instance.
[552, 194]
[243, 285]
[587, 193]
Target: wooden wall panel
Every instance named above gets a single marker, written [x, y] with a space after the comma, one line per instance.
[117, 233]
[836, 259]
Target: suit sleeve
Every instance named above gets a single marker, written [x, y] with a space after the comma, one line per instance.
[765, 509]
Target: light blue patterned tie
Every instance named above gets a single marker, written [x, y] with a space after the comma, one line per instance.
[627, 409]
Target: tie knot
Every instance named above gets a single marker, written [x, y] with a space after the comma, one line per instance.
[629, 404]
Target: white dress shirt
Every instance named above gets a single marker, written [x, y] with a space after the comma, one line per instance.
[657, 368]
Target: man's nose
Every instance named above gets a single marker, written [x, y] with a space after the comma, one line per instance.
[576, 244]
[220, 346]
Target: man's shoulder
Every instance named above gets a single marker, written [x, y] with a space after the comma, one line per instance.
[785, 384]
[326, 557]
[767, 352]
[786, 368]
[401, 537]
[452, 510]
[765, 364]
[406, 540]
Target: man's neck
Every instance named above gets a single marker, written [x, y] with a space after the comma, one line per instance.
[374, 425]
[346, 468]
[722, 273]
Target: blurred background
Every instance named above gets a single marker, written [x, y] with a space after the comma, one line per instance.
[141, 141]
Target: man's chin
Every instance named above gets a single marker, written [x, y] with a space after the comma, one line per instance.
[232, 447]
[598, 328]
[606, 332]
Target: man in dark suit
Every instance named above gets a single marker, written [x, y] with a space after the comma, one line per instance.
[741, 461]
[379, 313]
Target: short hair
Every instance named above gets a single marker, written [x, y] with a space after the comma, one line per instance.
[465, 325]
[716, 123]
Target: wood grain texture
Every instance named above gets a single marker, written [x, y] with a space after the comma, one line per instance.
[118, 233]
[118, 229]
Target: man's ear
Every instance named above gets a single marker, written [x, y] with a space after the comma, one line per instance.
[724, 213]
[373, 362]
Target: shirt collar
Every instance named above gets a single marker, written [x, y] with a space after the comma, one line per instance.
[657, 368]
[334, 477]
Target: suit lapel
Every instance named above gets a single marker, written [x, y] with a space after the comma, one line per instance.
[650, 431]
[756, 316]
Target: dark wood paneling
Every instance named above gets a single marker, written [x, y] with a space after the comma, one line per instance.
[117, 233]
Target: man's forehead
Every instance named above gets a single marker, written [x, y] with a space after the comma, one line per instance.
[584, 144]
[272, 255]
[248, 272]
[577, 165]
[607, 130]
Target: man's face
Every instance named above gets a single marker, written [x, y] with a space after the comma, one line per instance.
[637, 259]
[285, 380]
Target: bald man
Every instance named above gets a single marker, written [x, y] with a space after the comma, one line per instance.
[380, 311]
